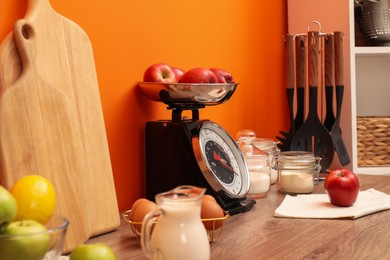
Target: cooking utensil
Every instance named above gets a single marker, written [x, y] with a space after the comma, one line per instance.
[313, 136]
[65, 61]
[301, 76]
[329, 81]
[39, 134]
[335, 132]
[290, 82]
[374, 20]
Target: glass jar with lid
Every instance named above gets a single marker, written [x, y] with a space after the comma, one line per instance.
[257, 162]
[298, 171]
[269, 146]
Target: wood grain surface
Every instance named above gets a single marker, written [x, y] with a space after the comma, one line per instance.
[61, 63]
[39, 135]
[258, 235]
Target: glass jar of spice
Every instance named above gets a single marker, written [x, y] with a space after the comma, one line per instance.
[257, 162]
[298, 171]
[270, 147]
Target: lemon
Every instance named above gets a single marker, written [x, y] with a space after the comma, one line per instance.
[35, 198]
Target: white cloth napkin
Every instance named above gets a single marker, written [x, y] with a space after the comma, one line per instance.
[319, 206]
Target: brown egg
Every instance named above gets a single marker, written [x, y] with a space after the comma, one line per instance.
[141, 210]
[208, 197]
[135, 205]
[211, 209]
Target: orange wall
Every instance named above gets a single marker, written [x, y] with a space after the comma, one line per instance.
[243, 37]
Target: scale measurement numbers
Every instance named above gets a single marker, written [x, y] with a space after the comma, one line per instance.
[221, 160]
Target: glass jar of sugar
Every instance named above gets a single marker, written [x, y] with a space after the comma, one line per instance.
[257, 162]
[298, 171]
[270, 147]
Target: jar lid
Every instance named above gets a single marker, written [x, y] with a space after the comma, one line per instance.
[297, 157]
[264, 144]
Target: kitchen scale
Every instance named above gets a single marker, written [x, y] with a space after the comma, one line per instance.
[191, 151]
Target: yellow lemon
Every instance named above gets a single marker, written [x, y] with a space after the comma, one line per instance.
[35, 198]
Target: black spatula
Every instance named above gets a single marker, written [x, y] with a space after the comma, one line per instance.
[300, 65]
[335, 132]
[313, 136]
[329, 81]
[285, 143]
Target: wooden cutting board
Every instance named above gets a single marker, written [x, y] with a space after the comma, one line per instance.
[58, 56]
[38, 133]
[10, 63]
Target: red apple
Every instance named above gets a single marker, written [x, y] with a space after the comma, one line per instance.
[222, 75]
[342, 187]
[199, 75]
[159, 72]
[178, 72]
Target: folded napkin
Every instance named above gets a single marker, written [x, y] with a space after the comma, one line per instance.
[318, 206]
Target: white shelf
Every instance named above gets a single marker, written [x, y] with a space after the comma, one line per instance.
[377, 50]
[368, 66]
[373, 170]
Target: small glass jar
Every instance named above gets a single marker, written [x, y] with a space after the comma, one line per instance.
[298, 172]
[270, 147]
[257, 162]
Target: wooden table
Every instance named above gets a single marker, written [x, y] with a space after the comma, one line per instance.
[257, 234]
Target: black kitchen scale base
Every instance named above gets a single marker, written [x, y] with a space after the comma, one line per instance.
[170, 159]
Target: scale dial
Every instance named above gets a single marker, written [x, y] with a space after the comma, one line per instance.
[221, 161]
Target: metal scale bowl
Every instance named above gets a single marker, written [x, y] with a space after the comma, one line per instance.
[184, 151]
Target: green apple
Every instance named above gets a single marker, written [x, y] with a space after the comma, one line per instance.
[24, 239]
[7, 207]
[97, 251]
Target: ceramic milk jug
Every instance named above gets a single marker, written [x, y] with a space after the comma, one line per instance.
[175, 230]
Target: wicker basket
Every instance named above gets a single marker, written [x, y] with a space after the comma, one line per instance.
[373, 141]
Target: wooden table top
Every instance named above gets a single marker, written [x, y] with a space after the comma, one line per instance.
[257, 234]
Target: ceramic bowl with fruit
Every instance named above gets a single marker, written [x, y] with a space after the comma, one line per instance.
[30, 240]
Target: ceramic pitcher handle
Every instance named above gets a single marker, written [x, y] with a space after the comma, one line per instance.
[146, 235]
